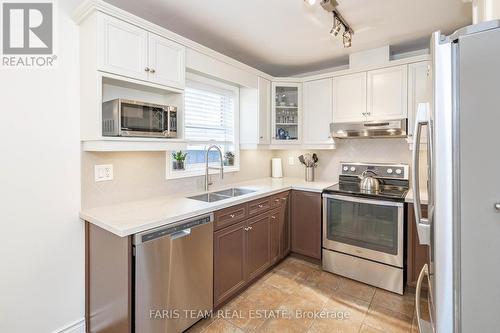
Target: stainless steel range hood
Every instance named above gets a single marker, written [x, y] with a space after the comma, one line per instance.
[370, 129]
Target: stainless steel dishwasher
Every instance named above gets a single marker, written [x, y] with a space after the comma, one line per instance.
[173, 275]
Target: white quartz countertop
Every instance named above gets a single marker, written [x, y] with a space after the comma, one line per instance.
[423, 197]
[129, 218]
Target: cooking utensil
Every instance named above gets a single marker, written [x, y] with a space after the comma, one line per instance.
[301, 159]
[369, 182]
[315, 159]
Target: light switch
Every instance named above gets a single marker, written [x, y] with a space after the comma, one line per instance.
[103, 172]
[291, 160]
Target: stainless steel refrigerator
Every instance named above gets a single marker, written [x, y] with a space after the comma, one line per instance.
[463, 225]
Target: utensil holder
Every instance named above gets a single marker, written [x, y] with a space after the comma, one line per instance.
[309, 174]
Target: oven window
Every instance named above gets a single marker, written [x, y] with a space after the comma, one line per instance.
[142, 118]
[369, 226]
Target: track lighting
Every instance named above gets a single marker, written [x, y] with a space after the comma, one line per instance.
[336, 26]
[347, 39]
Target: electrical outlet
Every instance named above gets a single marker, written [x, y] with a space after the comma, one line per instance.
[103, 172]
[291, 160]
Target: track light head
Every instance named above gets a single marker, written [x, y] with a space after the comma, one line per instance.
[347, 39]
[337, 25]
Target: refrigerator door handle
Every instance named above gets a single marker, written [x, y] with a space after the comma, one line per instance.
[422, 224]
[423, 325]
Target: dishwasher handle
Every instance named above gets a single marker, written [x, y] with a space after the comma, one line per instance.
[174, 231]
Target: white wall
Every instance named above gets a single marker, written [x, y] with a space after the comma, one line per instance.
[42, 246]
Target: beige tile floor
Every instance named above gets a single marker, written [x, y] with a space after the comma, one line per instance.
[294, 291]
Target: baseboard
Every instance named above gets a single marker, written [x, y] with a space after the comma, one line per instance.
[76, 327]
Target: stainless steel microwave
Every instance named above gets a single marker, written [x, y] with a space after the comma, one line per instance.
[121, 117]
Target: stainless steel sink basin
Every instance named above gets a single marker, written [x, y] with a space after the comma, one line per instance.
[221, 195]
[234, 192]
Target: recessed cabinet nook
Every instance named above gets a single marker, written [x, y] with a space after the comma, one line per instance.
[124, 56]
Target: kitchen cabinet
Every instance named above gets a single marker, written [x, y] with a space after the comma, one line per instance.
[349, 98]
[306, 223]
[230, 256]
[124, 48]
[286, 113]
[130, 51]
[249, 238]
[419, 91]
[258, 245]
[418, 255]
[387, 93]
[318, 100]
[255, 115]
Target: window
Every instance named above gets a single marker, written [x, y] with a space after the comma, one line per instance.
[210, 118]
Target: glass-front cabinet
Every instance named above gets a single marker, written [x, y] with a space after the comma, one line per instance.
[286, 113]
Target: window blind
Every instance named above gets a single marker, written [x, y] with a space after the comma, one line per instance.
[209, 113]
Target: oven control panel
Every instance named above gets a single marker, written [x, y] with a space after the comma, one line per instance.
[380, 170]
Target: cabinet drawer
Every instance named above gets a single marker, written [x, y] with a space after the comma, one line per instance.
[228, 216]
[279, 199]
[259, 206]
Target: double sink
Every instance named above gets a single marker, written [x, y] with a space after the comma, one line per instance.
[222, 195]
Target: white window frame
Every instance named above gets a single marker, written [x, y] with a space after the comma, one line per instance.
[176, 174]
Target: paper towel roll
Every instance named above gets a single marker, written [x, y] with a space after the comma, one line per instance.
[277, 170]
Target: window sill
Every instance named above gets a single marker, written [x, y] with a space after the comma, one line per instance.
[178, 174]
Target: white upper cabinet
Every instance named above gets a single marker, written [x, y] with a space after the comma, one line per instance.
[255, 115]
[349, 98]
[123, 48]
[166, 61]
[127, 50]
[286, 113]
[318, 99]
[387, 93]
[419, 91]
[264, 111]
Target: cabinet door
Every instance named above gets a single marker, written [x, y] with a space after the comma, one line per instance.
[306, 223]
[276, 234]
[258, 236]
[230, 246]
[387, 93]
[349, 98]
[123, 48]
[318, 99]
[286, 113]
[166, 62]
[264, 111]
[419, 91]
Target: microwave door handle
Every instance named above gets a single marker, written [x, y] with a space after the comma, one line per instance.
[422, 224]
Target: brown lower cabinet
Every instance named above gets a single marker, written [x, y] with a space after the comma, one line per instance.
[243, 250]
[306, 223]
[417, 255]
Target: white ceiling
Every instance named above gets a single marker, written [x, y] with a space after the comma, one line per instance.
[286, 37]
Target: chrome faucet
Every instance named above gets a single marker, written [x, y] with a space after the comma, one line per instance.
[221, 168]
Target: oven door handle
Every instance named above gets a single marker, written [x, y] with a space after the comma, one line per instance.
[363, 200]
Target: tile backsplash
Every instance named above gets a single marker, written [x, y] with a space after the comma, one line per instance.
[139, 175]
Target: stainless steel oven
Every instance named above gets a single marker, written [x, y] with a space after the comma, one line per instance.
[363, 227]
[121, 117]
[366, 228]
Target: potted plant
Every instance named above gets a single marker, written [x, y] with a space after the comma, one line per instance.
[229, 158]
[179, 158]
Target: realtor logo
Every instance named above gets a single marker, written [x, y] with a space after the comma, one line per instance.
[28, 34]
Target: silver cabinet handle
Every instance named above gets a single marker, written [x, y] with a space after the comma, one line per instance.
[232, 216]
[260, 206]
[262, 137]
[273, 217]
[276, 200]
[284, 199]
[422, 224]
[147, 69]
[246, 229]
[152, 71]
[497, 206]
